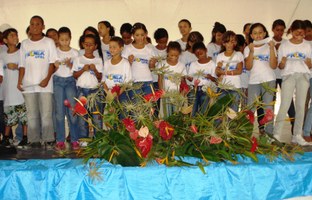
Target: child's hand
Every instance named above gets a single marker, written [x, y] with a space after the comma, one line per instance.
[220, 64]
[284, 60]
[20, 87]
[92, 67]
[152, 62]
[86, 68]
[189, 78]
[44, 83]
[308, 62]
[68, 62]
[12, 66]
[271, 44]
[57, 64]
[251, 47]
[131, 59]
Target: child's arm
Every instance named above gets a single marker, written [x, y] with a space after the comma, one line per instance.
[152, 63]
[77, 74]
[308, 62]
[12, 66]
[21, 73]
[219, 70]
[46, 80]
[249, 59]
[97, 73]
[105, 87]
[213, 79]
[160, 81]
[273, 59]
[237, 71]
[282, 64]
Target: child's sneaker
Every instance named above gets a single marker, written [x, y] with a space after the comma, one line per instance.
[75, 145]
[23, 142]
[6, 141]
[60, 146]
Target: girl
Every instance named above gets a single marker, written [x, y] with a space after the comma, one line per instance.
[88, 71]
[125, 33]
[214, 46]
[141, 59]
[261, 61]
[106, 31]
[185, 28]
[246, 30]
[294, 58]
[52, 33]
[205, 64]
[230, 66]
[65, 88]
[165, 82]
[117, 70]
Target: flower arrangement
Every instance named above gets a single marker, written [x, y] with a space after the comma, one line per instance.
[217, 134]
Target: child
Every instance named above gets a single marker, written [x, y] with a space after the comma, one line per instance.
[205, 64]
[117, 70]
[165, 82]
[106, 31]
[294, 58]
[125, 33]
[64, 87]
[98, 52]
[87, 69]
[141, 58]
[52, 33]
[185, 28]
[36, 66]
[214, 46]
[229, 67]
[246, 30]
[260, 60]
[14, 104]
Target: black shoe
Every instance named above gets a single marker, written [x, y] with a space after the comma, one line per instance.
[23, 142]
[49, 145]
[35, 145]
[6, 141]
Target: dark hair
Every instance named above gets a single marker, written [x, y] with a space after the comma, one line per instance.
[173, 45]
[64, 29]
[119, 40]
[278, 22]
[6, 33]
[125, 27]
[218, 27]
[194, 36]
[90, 36]
[138, 26]
[240, 40]
[51, 30]
[308, 23]
[226, 38]
[297, 24]
[38, 17]
[253, 26]
[27, 30]
[199, 45]
[245, 26]
[186, 21]
[160, 33]
[108, 25]
[97, 39]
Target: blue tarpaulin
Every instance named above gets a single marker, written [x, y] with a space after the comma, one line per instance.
[69, 179]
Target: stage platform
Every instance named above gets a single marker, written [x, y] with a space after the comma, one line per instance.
[68, 178]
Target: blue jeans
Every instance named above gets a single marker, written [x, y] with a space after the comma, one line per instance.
[144, 90]
[201, 101]
[65, 88]
[236, 98]
[308, 120]
[96, 119]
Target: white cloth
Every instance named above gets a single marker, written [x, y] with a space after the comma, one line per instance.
[231, 65]
[140, 66]
[116, 74]
[213, 50]
[36, 57]
[105, 50]
[179, 68]
[12, 96]
[161, 56]
[182, 44]
[296, 54]
[88, 78]
[244, 77]
[261, 70]
[207, 68]
[277, 71]
[187, 58]
[3, 48]
[63, 70]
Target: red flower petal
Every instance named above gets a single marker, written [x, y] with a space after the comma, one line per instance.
[144, 145]
[194, 128]
[154, 96]
[269, 116]
[250, 116]
[184, 88]
[215, 140]
[80, 109]
[134, 135]
[116, 89]
[83, 100]
[67, 103]
[254, 144]
[129, 124]
[165, 130]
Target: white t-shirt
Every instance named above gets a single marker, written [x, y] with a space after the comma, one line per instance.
[182, 44]
[88, 78]
[161, 55]
[12, 96]
[1, 74]
[35, 57]
[213, 50]
[105, 50]
[244, 77]
[277, 71]
[187, 58]
[179, 68]
[207, 68]
[3, 48]
[296, 54]
[231, 65]
[116, 74]
[63, 70]
[140, 66]
[261, 71]
[81, 52]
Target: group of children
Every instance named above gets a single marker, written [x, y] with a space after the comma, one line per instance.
[45, 71]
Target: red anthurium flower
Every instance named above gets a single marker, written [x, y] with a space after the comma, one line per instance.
[154, 96]
[80, 109]
[83, 100]
[215, 140]
[196, 82]
[269, 116]
[116, 89]
[184, 88]
[144, 145]
[67, 103]
[250, 116]
[129, 124]
[254, 144]
[165, 130]
[194, 128]
[134, 135]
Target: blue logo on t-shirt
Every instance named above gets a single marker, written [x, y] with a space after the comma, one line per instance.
[36, 54]
[297, 55]
[141, 60]
[117, 78]
[262, 57]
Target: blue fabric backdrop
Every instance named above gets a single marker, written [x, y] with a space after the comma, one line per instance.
[68, 179]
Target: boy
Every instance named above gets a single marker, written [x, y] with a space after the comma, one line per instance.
[14, 105]
[36, 67]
